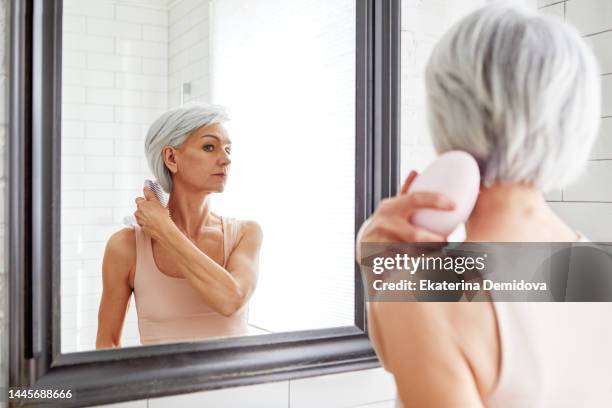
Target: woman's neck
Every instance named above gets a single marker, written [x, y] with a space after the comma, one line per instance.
[514, 212]
[190, 210]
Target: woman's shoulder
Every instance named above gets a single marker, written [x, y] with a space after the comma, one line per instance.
[121, 246]
[247, 229]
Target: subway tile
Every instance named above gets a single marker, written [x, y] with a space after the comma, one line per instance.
[108, 198]
[155, 66]
[71, 199]
[113, 164]
[595, 225]
[71, 111]
[606, 103]
[153, 33]
[86, 147]
[97, 233]
[131, 182]
[73, 59]
[602, 47]
[544, 3]
[80, 42]
[267, 395]
[89, 8]
[86, 216]
[111, 28]
[90, 78]
[86, 181]
[590, 16]
[136, 115]
[154, 100]
[129, 147]
[140, 48]
[593, 184]
[73, 164]
[343, 390]
[84, 250]
[178, 61]
[190, 38]
[72, 268]
[117, 63]
[73, 129]
[557, 10]
[141, 15]
[73, 24]
[141, 82]
[73, 94]
[554, 195]
[602, 149]
[99, 130]
[181, 10]
[113, 97]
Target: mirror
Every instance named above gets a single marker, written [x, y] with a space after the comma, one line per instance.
[285, 74]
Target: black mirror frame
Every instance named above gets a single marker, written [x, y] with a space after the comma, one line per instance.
[102, 377]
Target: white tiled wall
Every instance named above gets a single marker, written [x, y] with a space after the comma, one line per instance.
[114, 84]
[423, 23]
[189, 50]
[587, 203]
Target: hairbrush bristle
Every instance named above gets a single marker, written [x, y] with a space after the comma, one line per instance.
[157, 190]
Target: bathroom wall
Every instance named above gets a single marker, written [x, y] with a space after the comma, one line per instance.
[189, 50]
[587, 203]
[115, 82]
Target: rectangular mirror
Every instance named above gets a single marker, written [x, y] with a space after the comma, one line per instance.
[244, 270]
[285, 72]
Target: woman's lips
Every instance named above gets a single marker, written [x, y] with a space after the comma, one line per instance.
[219, 174]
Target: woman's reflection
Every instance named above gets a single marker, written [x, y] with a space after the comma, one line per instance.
[192, 271]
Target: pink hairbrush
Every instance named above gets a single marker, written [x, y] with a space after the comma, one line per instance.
[157, 190]
[456, 175]
[154, 186]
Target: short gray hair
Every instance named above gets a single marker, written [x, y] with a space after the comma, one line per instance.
[517, 89]
[171, 129]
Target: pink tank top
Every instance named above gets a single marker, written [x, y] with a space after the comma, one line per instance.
[169, 309]
[553, 355]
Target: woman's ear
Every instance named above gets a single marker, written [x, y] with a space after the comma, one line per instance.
[169, 157]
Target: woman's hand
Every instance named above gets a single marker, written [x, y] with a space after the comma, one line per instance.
[391, 220]
[152, 217]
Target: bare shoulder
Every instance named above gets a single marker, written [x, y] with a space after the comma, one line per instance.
[120, 253]
[250, 229]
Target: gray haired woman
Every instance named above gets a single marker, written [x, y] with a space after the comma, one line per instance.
[520, 91]
[192, 271]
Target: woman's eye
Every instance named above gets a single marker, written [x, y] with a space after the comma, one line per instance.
[209, 147]
[229, 151]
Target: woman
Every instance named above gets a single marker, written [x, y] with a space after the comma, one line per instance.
[521, 93]
[192, 271]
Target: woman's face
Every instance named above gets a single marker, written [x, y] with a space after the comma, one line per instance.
[202, 161]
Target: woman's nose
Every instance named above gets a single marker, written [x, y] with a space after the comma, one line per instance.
[226, 159]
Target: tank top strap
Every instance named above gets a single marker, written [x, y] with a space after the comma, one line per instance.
[230, 232]
[141, 245]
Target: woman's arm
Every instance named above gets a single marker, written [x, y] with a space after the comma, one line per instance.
[119, 259]
[224, 290]
[422, 352]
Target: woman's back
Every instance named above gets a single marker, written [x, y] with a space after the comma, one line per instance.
[553, 355]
